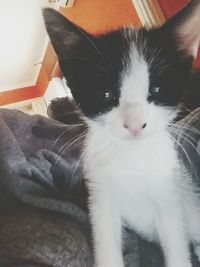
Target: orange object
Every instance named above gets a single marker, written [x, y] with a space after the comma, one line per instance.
[101, 16]
[17, 95]
[42, 82]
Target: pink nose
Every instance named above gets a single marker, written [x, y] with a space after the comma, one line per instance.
[135, 129]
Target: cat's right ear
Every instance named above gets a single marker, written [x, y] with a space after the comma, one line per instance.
[66, 37]
[185, 26]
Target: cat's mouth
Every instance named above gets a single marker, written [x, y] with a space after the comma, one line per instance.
[128, 137]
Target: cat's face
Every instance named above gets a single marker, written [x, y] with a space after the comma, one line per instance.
[128, 82]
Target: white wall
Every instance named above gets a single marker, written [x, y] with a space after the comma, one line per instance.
[23, 42]
[56, 88]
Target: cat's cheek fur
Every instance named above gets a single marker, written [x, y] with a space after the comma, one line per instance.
[111, 123]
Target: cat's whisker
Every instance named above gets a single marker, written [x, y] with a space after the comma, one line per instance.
[69, 128]
[77, 164]
[64, 149]
[161, 64]
[72, 143]
[180, 127]
[187, 127]
[190, 138]
[156, 54]
[183, 150]
[185, 138]
[182, 106]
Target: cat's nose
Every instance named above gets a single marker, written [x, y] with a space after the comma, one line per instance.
[135, 129]
[134, 119]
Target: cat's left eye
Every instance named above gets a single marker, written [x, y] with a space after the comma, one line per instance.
[154, 91]
[108, 95]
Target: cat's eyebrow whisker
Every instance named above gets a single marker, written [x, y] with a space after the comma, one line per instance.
[161, 64]
[158, 67]
[156, 52]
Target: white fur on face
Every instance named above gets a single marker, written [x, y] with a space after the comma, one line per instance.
[134, 110]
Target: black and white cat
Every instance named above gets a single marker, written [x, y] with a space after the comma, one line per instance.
[128, 84]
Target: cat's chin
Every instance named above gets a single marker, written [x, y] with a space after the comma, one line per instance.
[131, 137]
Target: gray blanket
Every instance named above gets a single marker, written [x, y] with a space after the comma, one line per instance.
[43, 198]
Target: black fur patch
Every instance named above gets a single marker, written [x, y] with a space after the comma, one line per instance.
[96, 69]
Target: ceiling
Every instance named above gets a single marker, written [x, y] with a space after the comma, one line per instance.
[23, 42]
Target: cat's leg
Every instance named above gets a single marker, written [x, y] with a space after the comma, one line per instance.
[171, 232]
[192, 211]
[106, 226]
[197, 250]
[195, 232]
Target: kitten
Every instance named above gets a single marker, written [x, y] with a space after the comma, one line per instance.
[128, 84]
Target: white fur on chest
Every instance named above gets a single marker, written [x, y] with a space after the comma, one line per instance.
[133, 176]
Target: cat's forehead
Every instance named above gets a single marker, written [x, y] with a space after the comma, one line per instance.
[131, 47]
[151, 45]
[135, 78]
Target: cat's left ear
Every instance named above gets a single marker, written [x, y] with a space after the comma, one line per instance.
[186, 27]
[66, 37]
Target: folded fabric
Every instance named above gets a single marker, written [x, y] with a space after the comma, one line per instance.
[41, 166]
